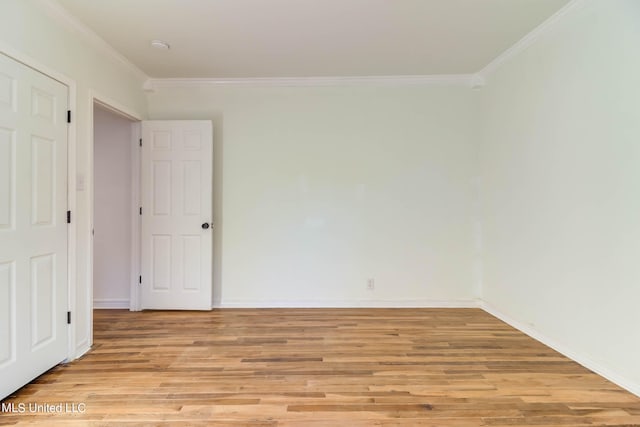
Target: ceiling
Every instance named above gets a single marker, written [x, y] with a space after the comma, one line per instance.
[311, 38]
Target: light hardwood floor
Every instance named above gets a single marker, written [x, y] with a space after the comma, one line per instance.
[322, 367]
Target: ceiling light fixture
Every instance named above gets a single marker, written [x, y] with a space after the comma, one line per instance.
[159, 44]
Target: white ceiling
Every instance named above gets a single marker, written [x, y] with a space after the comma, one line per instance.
[311, 38]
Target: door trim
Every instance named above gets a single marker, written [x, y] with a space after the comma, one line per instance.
[136, 218]
[106, 102]
[71, 182]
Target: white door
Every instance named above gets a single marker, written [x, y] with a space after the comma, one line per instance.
[176, 193]
[33, 224]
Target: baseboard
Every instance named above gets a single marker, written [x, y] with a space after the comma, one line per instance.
[82, 351]
[348, 304]
[578, 357]
[111, 303]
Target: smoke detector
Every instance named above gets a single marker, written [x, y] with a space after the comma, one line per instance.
[159, 44]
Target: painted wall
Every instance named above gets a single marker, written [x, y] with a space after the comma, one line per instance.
[112, 216]
[560, 193]
[33, 29]
[318, 189]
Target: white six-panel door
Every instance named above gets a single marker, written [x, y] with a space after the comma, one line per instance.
[176, 241]
[33, 224]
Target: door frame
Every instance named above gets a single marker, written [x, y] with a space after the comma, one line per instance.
[71, 181]
[96, 98]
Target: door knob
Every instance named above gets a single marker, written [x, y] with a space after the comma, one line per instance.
[205, 225]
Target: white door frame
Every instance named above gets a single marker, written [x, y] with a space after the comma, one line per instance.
[71, 181]
[96, 98]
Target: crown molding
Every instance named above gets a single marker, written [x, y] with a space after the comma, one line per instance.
[465, 80]
[62, 16]
[529, 39]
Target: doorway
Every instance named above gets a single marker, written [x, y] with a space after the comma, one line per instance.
[113, 206]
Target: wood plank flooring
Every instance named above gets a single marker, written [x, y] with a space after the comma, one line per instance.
[321, 367]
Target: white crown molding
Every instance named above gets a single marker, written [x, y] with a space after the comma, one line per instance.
[418, 303]
[528, 39]
[466, 80]
[576, 356]
[477, 81]
[65, 18]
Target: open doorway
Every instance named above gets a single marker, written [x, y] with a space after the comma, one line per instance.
[114, 204]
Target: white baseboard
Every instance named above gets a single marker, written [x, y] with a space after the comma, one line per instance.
[81, 351]
[111, 303]
[348, 304]
[578, 357]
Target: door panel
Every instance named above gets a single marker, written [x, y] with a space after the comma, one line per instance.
[191, 279]
[161, 183]
[161, 257]
[191, 190]
[176, 199]
[7, 313]
[43, 172]
[8, 84]
[43, 303]
[7, 178]
[33, 229]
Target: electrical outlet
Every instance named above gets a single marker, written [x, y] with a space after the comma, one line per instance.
[371, 284]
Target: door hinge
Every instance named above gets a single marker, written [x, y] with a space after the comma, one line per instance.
[140, 210]
[68, 317]
[68, 116]
[140, 142]
[140, 280]
[68, 217]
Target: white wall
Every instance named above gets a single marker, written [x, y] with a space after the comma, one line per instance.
[560, 173]
[112, 215]
[317, 189]
[31, 28]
